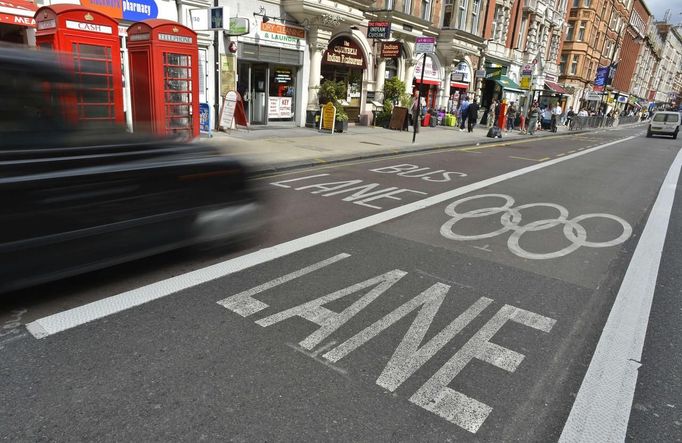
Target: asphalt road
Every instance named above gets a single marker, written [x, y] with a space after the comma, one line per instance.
[455, 295]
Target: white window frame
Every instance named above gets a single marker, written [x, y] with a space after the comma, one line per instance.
[475, 16]
[426, 12]
[462, 14]
[407, 7]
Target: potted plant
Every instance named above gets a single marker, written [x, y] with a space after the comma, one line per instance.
[334, 92]
[394, 95]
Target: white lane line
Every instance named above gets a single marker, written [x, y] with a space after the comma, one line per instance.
[602, 408]
[92, 311]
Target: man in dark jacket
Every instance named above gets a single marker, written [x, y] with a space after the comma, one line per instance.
[473, 115]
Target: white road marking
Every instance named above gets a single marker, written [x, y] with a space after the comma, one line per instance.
[71, 318]
[244, 304]
[328, 320]
[602, 408]
[456, 407]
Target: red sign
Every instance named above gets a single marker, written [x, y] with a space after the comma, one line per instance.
[17, 12]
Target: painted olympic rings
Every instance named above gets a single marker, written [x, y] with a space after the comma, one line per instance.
[511, 218]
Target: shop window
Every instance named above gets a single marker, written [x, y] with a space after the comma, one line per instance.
[391, 68]
[282, 92]
[177, 79]
[94, 72]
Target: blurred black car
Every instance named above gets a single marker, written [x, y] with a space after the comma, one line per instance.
[76, 199]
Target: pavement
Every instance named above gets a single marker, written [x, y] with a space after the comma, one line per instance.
[281, 147]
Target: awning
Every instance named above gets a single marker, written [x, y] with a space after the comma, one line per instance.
[427, 81]
[508, 84]
[459, 85]
[556, 87]
[18, 12]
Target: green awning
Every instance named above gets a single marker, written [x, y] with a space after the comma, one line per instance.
[508, 84]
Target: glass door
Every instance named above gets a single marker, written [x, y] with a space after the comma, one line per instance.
[177, 79]
[259, 94]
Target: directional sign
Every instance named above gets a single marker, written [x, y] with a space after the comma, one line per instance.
[425, 45]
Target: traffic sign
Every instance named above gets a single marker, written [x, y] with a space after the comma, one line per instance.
[425, 45]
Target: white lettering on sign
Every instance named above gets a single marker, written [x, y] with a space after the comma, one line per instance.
[407, 170]
[175, 38]
[410, 355]
[90, 27]
[361, 195]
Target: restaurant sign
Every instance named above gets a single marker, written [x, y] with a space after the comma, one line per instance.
[390, 49]
[344, 52]
[378, 29]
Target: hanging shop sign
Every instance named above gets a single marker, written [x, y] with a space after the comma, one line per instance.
[378, 29]
[526, 77]
[425, 45]
[344, 52]
[391, 49]
[601, 78]
[18, 12]
[133, 10]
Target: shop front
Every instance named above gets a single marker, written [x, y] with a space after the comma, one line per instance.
[17, 22]
[428, 84]
[269, 72]
[344, 60]
[460, 84]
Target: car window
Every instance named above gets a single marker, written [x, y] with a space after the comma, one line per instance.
[668, 118]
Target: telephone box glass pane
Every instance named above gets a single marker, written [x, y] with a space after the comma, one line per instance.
[178, 92]
[93, 68]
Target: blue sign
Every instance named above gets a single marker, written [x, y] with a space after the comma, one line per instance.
[138, 10]
[602, 75]
[204, 118]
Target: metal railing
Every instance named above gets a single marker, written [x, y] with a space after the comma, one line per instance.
[594, 121]
[627, 120]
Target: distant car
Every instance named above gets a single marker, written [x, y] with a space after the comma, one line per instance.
[665, 123]
[75, 200]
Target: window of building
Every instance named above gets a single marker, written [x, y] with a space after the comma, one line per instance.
[576, 3]
[389, 5]
[562, 65]
[447, 15]
[522, 34]
[426, 10]
[462, 14]
[587, 3]
[569, 31]
[475, 16]
[574, 64]
[581, 31]
[407, 6]
[607, 48]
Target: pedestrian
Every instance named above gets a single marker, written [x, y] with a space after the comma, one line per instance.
[463, 113]
[533, 116]
[473, 115]
[556, 113]
[583, 113]
[492, 114]
[511, 116]
[569, 115]
[415, 113]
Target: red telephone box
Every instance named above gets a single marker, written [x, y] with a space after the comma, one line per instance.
[90, 44]
[164, 77]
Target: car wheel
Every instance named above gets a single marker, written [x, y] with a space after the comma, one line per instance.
[675, 135]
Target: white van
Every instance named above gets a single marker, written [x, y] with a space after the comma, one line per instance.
[665, 123]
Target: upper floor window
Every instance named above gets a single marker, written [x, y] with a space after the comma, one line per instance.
[407, 7]
[426, 9]
[576, 3]
[447, 15]
[390, 4]
[570, 30]
[574, 64]
[462, 14]
[563, 63]
[587, 3]
[475, 15]
[581, 31]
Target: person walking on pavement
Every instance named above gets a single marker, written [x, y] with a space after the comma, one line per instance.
[533, 115]
[463, 113]
[556, 113]
[511, 117]
[492, 114]
[569, 116]
[473, 115]
[415, 113]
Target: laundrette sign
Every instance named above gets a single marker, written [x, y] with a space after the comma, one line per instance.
[133, 10]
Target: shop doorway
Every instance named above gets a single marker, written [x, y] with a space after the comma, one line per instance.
[252, 86]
